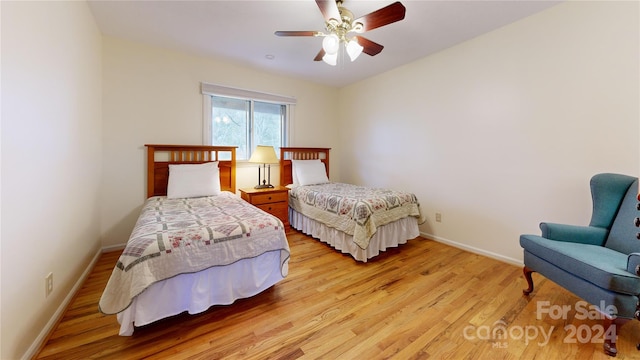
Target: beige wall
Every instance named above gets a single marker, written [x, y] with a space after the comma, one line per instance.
[51, 161]
[152, 96]
[505, 130]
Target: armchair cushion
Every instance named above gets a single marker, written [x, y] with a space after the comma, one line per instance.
[603, 267]
[572, 233]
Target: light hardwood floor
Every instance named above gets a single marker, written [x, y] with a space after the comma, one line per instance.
[422, 300]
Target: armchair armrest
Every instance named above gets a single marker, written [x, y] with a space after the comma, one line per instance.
[590, 235]
[633, 263]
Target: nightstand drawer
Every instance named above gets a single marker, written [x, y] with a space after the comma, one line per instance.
[279, 210]
[275, 201]
[258, 199]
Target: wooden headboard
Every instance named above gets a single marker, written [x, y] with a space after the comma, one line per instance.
[300, 153]
[160, 156]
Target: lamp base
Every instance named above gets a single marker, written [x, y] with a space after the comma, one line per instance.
[263, 186]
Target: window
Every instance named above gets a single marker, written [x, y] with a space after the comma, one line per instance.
[247, 123]
[245, 119]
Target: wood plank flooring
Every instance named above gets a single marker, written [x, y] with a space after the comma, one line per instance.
[422, 300]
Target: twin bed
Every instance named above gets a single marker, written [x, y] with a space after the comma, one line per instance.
[356, 220]
[197, 244]
[194, 245]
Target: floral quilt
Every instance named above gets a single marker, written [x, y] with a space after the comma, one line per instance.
[177, 236]
[356, 210]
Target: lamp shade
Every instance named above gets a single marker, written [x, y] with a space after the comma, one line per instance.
[264, 155]
[331, 59]
[354, 49]
[331, 44]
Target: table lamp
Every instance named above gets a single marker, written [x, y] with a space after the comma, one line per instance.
[265, 155]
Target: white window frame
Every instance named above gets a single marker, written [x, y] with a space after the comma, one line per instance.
[209, 90]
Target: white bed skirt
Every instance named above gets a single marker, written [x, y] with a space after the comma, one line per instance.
[387, 236]
[195, 293]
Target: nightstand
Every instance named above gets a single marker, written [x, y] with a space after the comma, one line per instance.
[275, 201]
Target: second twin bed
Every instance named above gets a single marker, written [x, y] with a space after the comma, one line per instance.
[356, 220]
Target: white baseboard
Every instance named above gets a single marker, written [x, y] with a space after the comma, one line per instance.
[113, 248]
[31, 352]
[474, 250]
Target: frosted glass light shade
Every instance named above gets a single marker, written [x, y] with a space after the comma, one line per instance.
[331, 59]
[354, 49]
[331, 43]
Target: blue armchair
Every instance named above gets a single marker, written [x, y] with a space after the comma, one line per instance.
[599, 263]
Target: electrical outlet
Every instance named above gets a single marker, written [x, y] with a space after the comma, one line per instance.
[438, 217]
[48, 284]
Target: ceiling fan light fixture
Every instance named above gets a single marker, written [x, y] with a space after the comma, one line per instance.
[331, 59]
[353, 49]
[340, 24]
[331, 44]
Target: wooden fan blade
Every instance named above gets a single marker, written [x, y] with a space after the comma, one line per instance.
[296, 33]
[329, 10]
[370, 47]
[319, 56]
[381, 17]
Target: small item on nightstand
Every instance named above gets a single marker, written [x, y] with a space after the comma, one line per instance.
[266, 156]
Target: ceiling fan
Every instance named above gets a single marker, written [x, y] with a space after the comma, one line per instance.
[340, 24]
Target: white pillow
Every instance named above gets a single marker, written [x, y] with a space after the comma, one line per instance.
[299, 163]
[193, 180]
[311, 173]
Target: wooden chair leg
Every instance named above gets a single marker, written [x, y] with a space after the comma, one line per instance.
[527, 275]
[611, 327]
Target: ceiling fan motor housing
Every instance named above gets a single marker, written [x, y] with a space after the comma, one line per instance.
[343, 25]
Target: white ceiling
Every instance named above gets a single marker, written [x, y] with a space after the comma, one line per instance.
[243, 31]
